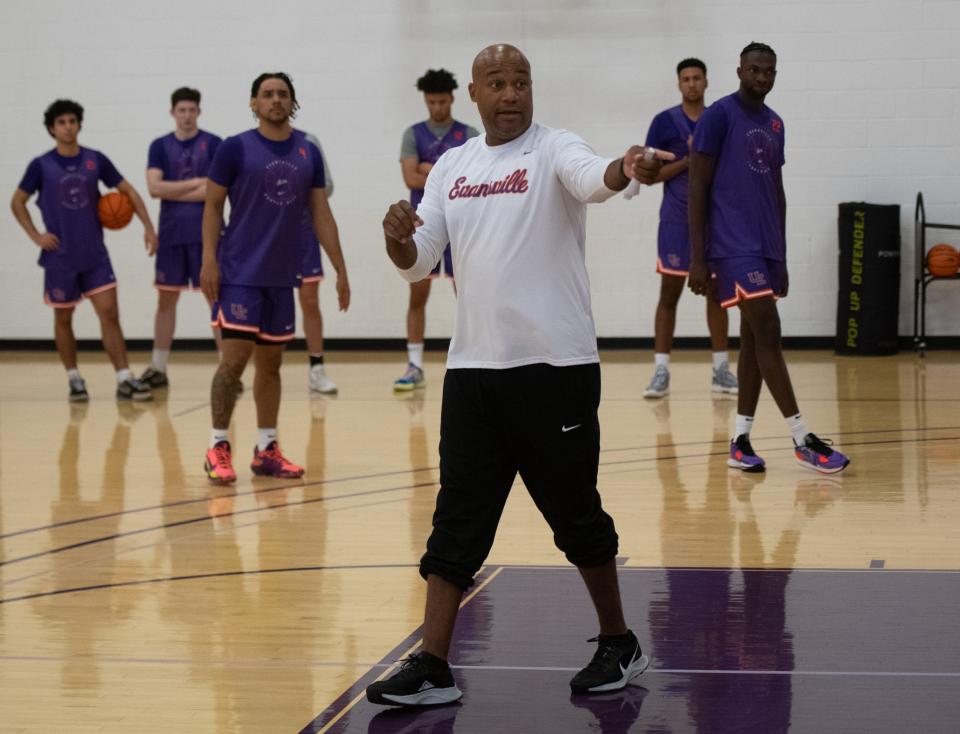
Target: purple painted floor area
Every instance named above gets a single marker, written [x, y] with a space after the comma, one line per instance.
[733, 651]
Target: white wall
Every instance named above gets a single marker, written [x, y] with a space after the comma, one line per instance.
[868, 91]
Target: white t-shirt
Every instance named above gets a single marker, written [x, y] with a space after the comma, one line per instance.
[515, 217]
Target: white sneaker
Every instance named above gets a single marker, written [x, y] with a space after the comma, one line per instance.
[319, 382]
[659, 386]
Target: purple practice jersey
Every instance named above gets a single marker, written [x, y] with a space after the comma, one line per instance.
[743, 208]
[180, 221]
[68, 202]
[669, 131]
[429, 149]
[269, 185]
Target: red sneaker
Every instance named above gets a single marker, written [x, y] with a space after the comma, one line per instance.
[270, 462]
[219, 464]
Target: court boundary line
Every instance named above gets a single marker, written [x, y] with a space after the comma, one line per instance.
[330, 715]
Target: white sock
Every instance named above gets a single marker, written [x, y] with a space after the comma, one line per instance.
[415, 354]
[743, 425]
[219, 434]
[159, 361]
[661, 360]
[73, 374]
[798, 428]
[719, 358]
[124, 375]
[265, 436]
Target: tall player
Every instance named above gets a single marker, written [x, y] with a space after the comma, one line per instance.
[422, 146]
[72, 253]
[738, 213]
[177, 167]
[271, 174]
[309, 289]
[672, 130]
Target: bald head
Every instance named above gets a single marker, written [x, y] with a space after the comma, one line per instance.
[498, 55]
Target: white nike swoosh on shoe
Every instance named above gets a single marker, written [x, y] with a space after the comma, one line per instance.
[566, 429]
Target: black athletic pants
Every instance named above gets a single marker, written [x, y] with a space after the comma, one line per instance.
[540, 421]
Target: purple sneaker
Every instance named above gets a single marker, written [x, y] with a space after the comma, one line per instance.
[742, 456]
[817, 455]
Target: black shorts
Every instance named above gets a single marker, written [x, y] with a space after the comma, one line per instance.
[540, 421]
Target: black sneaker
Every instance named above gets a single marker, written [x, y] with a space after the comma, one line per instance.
[78, 391]
[154, 378]
[133, 389]
[423, 680]
[616, 661]
[743, 457]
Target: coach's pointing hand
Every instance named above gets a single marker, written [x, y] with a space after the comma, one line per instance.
[399, 225]
[644, 163]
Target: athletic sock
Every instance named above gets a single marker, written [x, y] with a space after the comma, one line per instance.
[719, 358]
[661, 360]
[219, 434]
[159, 359]
[73, 374]
[265, 437]
[316, 359]
[743, 425]
[415, 354]
[798, 428]
[124, 375]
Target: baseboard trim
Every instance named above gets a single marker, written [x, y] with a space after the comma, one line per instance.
[438, 345]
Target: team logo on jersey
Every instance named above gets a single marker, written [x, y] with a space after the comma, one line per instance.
[776, 125]
[90, 165]
[186, 165]
[58, 294]
[458, 134]
[761, 150]
[203, 145]
[303, 153]
[515, 183]
[757, 277]
[238, 311]
[73, 191]
[674, 260]
[280, 182]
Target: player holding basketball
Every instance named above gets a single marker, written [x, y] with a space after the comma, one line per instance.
[309, 290]
[177, 167]
[672, 130]
[73, 256]
[422, 146]
[738, 236]
[522, 386]
[271, 174]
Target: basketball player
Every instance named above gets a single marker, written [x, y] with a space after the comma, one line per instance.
[738, 237]
[271, 174]
[309, 289]
[422, 146]
[672, 130]
[72, 253]
[522, 386]
[177, 167]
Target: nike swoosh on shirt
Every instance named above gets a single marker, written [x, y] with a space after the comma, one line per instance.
[566, 429]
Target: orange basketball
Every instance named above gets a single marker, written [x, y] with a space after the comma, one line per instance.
[943, 260]
[115, 210]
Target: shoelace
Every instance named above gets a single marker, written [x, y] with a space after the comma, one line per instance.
[821, 446]
[605, 652]
[223, 455]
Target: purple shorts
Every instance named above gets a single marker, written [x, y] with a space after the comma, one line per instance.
[267, 313]
[447, 262]
[178, 267]
[739, 278]
[64, 288]
[673, 249]
[312, 268]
